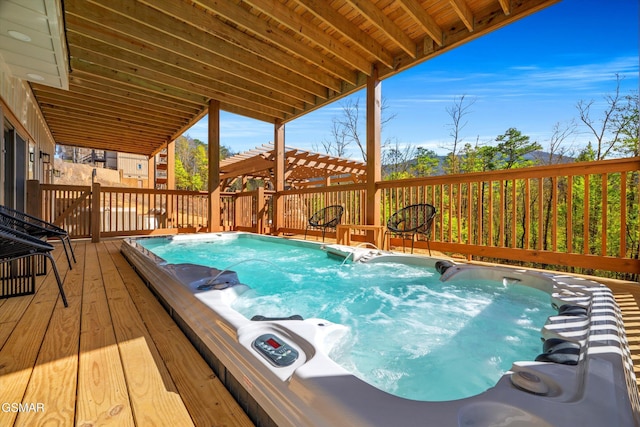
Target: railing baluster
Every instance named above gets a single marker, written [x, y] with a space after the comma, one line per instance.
[603, 220]
[585, 222]
[623, 215]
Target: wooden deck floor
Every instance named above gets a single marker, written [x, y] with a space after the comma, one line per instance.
[113, 357]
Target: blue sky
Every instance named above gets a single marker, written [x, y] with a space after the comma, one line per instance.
[529, 75]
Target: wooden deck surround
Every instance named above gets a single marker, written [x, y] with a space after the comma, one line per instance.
[115, 357]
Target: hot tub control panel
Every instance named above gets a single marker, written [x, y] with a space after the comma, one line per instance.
[275, 350]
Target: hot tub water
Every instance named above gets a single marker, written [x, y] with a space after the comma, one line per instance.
[409, 333]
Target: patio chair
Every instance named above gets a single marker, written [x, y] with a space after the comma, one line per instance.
[36, 227]
[411, 221]
[328, 217]
[15, 246]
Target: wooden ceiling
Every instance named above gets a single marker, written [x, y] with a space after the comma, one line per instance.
[143, 72]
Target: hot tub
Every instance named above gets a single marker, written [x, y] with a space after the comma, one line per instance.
[282, 370]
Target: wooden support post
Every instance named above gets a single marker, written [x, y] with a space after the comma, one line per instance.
[214, 166]
[34, 198]
[151, 172]
[171, 165]
[171, 182]
[278, 169]
[374, 167]
[95, 212]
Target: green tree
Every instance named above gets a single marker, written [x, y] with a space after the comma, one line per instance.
[192, 163]
[426, 162]
[397, 161]
[183, 178]
[513, 148]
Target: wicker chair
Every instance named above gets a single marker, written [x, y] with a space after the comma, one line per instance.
[16, 246]
[328, 217]
[36, 227]
[411, 221]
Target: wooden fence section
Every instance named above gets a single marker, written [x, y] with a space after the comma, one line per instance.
[583, 215]
[94, 211]
[67, 206]
[254, 211]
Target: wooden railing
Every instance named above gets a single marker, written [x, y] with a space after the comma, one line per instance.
[583, 215]
[139, 211]
[87, 211]
[299, 205]
[577, 214]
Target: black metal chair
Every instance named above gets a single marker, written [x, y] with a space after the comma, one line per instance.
[16, 246]
[328, 217]
[411, 221]
[36, 227]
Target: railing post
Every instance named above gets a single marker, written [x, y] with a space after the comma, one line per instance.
[34, 198]
[260, 210]
[95, 212]
[237, 209]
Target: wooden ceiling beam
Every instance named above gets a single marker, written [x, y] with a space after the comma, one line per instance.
[180, 81]
[110, 54]
[323, 11]
[506, 6]
[105, 97]
[294, 22]
[414, 9]
[486, 20]
[98, 143]
[79, 136]
[109, 108]
[197, 28]
[101, 124]
[369, 10]
[292, 96]
[463, 11]
[274, 35]
[99, 23]
[101, 143]
[119, 78]
[102, 85]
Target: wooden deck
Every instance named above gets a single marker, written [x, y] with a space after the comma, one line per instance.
[113, 357]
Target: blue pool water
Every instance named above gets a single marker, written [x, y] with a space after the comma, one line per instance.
[409, 333]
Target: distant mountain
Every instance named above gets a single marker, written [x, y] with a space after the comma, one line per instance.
[541, 157]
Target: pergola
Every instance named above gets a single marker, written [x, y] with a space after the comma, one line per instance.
[302, 168]
[132, 76]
